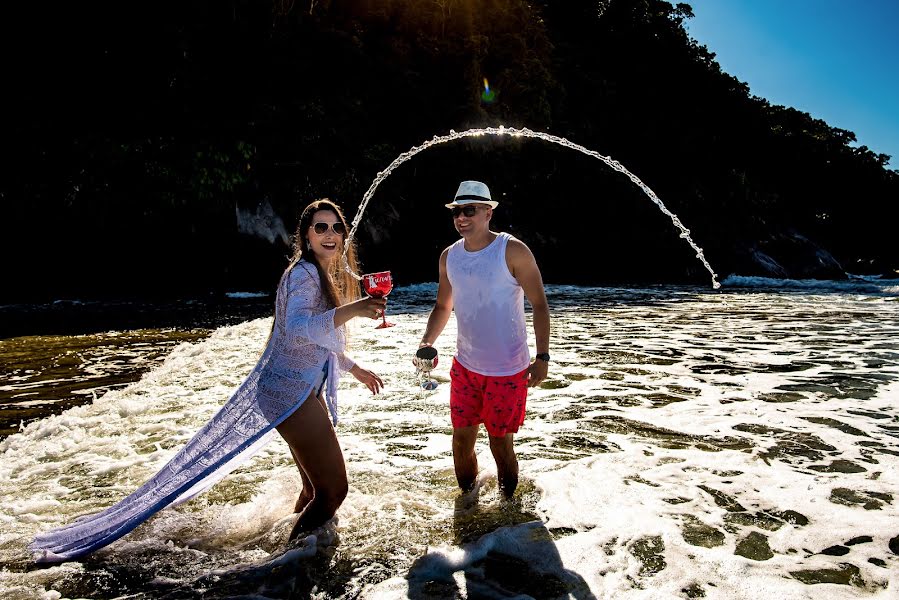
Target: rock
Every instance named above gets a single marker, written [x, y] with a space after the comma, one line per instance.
[839, 466]
[697, 533]
[263, 223]
[694, 590]
[862, 539]
[650, 551]
[802, 258]
[845, 574]
[754, 547]
[867, 500]
[894, 545]
[874, 266]
[788, 255]
[836, 551]
[761, 520]
[791, 516]
[723, 500]
[766, 266]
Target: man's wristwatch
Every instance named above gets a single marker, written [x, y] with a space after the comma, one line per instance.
[544, 356]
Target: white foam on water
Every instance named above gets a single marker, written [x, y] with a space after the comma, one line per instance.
[671, 418]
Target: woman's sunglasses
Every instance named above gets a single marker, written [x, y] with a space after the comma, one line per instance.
[322, 228]
[469, 210]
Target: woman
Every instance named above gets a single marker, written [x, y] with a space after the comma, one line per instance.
[315, 298]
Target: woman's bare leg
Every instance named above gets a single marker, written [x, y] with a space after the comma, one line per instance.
[314, 445]
[307, 491]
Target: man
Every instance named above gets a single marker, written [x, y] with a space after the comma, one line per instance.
[484, 276]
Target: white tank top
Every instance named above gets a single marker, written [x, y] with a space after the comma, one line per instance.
[489, 306]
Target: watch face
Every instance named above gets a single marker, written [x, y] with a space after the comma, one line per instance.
[543, 356]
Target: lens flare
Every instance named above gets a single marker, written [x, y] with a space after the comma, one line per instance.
[487, 95]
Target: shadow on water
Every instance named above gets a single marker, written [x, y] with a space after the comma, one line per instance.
[505, 551]
[290, 572]
[502, 550]
[294, 574]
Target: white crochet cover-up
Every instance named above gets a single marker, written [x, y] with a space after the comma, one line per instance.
[303, 340]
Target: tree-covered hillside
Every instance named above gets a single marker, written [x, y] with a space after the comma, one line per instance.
[168, 148]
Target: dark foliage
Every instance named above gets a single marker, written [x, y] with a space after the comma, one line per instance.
[137, 133]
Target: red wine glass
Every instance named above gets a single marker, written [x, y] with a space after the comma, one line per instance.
[378, 285]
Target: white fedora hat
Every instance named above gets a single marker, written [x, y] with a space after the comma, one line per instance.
[473, 192]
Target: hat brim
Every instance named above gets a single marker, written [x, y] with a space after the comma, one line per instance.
[490, 203]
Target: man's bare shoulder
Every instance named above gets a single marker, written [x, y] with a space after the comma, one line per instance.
[442, 261]
[516, 249]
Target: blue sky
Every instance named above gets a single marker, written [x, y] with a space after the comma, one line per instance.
[837, 60]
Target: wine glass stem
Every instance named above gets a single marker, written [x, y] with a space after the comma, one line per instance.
[384, 318]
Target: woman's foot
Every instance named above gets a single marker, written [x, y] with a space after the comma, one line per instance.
[318, 512]
[324, 539]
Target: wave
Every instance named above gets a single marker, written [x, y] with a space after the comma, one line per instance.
[243, 295]
[860, 284]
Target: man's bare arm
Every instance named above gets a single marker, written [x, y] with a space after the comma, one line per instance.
[524, 269]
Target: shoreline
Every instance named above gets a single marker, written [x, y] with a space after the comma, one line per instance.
[73, 353]
[78, 317]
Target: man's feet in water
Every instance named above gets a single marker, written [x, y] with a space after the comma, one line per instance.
[468, 487]
[465, 501]
[468, 498]
[507, 486]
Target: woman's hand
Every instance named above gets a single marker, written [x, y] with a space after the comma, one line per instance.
[364, 307]
[368, 307]
[371, 381]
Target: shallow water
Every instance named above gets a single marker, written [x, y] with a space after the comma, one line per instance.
[47, 374]
[688, 443]
[67, 353]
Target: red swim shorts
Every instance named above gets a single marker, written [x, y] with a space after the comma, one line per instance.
[498, 402]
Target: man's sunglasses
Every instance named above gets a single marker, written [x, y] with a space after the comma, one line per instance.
[322, 228]
[469, 210]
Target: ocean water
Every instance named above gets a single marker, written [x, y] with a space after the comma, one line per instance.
[688, 443]
[46, 374]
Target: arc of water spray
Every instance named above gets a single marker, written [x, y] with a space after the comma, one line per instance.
[523, 132]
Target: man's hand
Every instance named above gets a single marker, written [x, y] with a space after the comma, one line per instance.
[537, 372]
[371, 381]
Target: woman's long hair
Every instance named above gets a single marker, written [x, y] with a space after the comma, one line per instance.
[338, 286]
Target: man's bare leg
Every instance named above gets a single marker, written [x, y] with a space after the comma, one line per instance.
[506, 463]
[464, 457]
